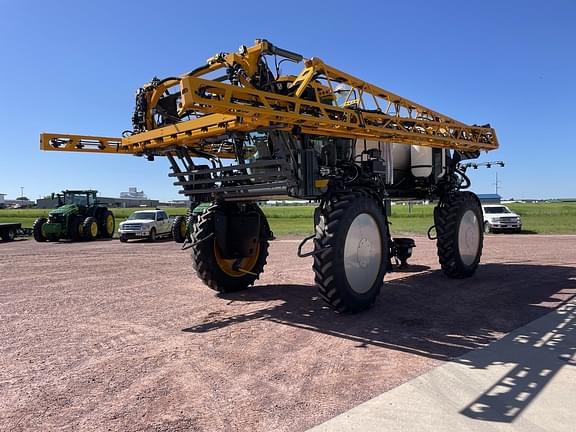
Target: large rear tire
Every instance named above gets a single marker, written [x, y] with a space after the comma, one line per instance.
[351, 251]
[106, 224]
[179, 229]
[37, 229]
[460, 234]
[226, 275]
[90, 228]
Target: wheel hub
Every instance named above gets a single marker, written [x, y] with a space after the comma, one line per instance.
[362, 253]
[469, 237]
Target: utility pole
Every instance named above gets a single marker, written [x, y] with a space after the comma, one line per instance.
[21, 191]
[497, 184]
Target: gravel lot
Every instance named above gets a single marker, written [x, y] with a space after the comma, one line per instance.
[110, 336]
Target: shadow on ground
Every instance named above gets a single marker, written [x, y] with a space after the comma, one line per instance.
[425, 314]
[429, 315]
[536, 354]
[146, 240]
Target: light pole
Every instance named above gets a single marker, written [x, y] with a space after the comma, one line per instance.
[21, 191]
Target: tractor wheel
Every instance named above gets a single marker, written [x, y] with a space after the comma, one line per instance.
[76, 229]
[106, 224]
[90, 228]
[220, 274]
[37, 229]
[351, 251]
[9, 235]
[179, 229]
[460, 234]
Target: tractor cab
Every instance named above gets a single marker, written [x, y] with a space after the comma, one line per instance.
[85, 198]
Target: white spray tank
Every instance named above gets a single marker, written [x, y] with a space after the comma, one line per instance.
[424, 159]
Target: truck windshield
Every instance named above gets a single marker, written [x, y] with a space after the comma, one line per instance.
[492, 210]
[142, 215]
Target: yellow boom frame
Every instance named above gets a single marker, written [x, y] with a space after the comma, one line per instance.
[367, 112]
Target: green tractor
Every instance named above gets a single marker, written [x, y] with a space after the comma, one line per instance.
[78, 216]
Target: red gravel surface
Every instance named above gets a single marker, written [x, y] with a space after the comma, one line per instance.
[109, 336]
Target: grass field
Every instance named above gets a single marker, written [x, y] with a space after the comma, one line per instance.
[541, 218]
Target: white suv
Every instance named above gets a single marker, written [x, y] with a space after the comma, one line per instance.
[498, 217]
[149, 224]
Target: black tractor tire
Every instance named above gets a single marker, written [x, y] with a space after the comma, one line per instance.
[76, 229]
[348, 282]
[106, 224]
[460, 234]
[217, 273]
[152, 236]
[37, 229]
[123, 239]
[9, 235]
[90, 228]
[179, 228]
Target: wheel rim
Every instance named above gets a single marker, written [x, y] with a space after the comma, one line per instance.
[362, 253]
[469, 237]
[80, 230]
[110, 224]
[182, 228]
[94, 229]
[227, 265]
[11, 235]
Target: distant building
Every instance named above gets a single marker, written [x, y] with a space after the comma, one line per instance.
[133, 193]
[47, 203]
[489, 198]
[128, 202]
[175, 203]
[2, 203]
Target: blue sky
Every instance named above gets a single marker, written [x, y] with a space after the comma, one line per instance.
[72, 66]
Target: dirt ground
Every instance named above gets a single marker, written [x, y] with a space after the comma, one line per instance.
[109, 336]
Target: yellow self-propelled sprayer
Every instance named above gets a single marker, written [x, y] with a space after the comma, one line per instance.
[321, 135]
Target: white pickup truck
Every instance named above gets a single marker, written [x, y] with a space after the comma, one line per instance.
[500, 218]
[150, 224]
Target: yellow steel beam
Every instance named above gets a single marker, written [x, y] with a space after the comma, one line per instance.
[81, 143]
[269, 109]
[185, 134]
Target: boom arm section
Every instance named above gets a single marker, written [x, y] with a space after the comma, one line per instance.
[204, 112]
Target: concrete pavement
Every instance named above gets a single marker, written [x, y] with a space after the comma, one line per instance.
[525, 381]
